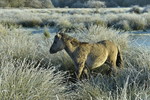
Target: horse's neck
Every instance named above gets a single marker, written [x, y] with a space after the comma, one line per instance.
[70, 48]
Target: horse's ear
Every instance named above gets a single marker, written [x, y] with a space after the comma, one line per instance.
[59, 35]
[61, 31]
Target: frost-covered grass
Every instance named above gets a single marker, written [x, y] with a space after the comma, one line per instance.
[135, 18]
[28, 71]
[19, 80]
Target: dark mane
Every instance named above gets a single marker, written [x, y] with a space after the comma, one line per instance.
[67, 37]
[84, 42]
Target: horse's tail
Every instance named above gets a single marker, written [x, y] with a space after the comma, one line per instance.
[119, 61]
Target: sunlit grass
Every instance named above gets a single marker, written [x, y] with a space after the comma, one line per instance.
[28, 71]
[20, 80]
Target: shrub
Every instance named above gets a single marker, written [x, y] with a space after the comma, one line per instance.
[135, 9]
[95, 4]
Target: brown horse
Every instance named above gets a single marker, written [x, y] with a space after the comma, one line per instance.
[88, 56]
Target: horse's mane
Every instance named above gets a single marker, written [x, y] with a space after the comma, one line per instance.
[66, 37]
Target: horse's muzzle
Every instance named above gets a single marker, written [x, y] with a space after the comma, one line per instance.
[52, 51]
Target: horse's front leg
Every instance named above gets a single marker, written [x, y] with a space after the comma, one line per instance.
[80, 65]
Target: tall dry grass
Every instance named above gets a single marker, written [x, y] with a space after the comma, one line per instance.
[26, 70]
[125, 19]
[16, 44]
[21, 78]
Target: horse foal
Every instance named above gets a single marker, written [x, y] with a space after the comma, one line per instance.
[88, 56]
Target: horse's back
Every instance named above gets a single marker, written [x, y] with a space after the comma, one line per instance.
[111, 46]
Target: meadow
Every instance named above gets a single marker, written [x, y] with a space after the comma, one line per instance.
[134, 18]
[29, 72]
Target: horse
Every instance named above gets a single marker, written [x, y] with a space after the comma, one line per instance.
[88, 56]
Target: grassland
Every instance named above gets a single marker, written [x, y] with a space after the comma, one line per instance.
[29, 72]
[135, 18]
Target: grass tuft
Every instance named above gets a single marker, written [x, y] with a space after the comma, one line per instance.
[20, 80]
[46, 33]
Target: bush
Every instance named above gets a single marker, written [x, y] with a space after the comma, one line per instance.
[135, 9]
[95, 4]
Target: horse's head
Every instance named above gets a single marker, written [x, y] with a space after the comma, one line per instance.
[58, 44]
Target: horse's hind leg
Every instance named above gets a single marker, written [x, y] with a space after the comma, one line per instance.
[113, 69]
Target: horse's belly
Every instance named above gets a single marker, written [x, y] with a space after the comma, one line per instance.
[95, 62]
